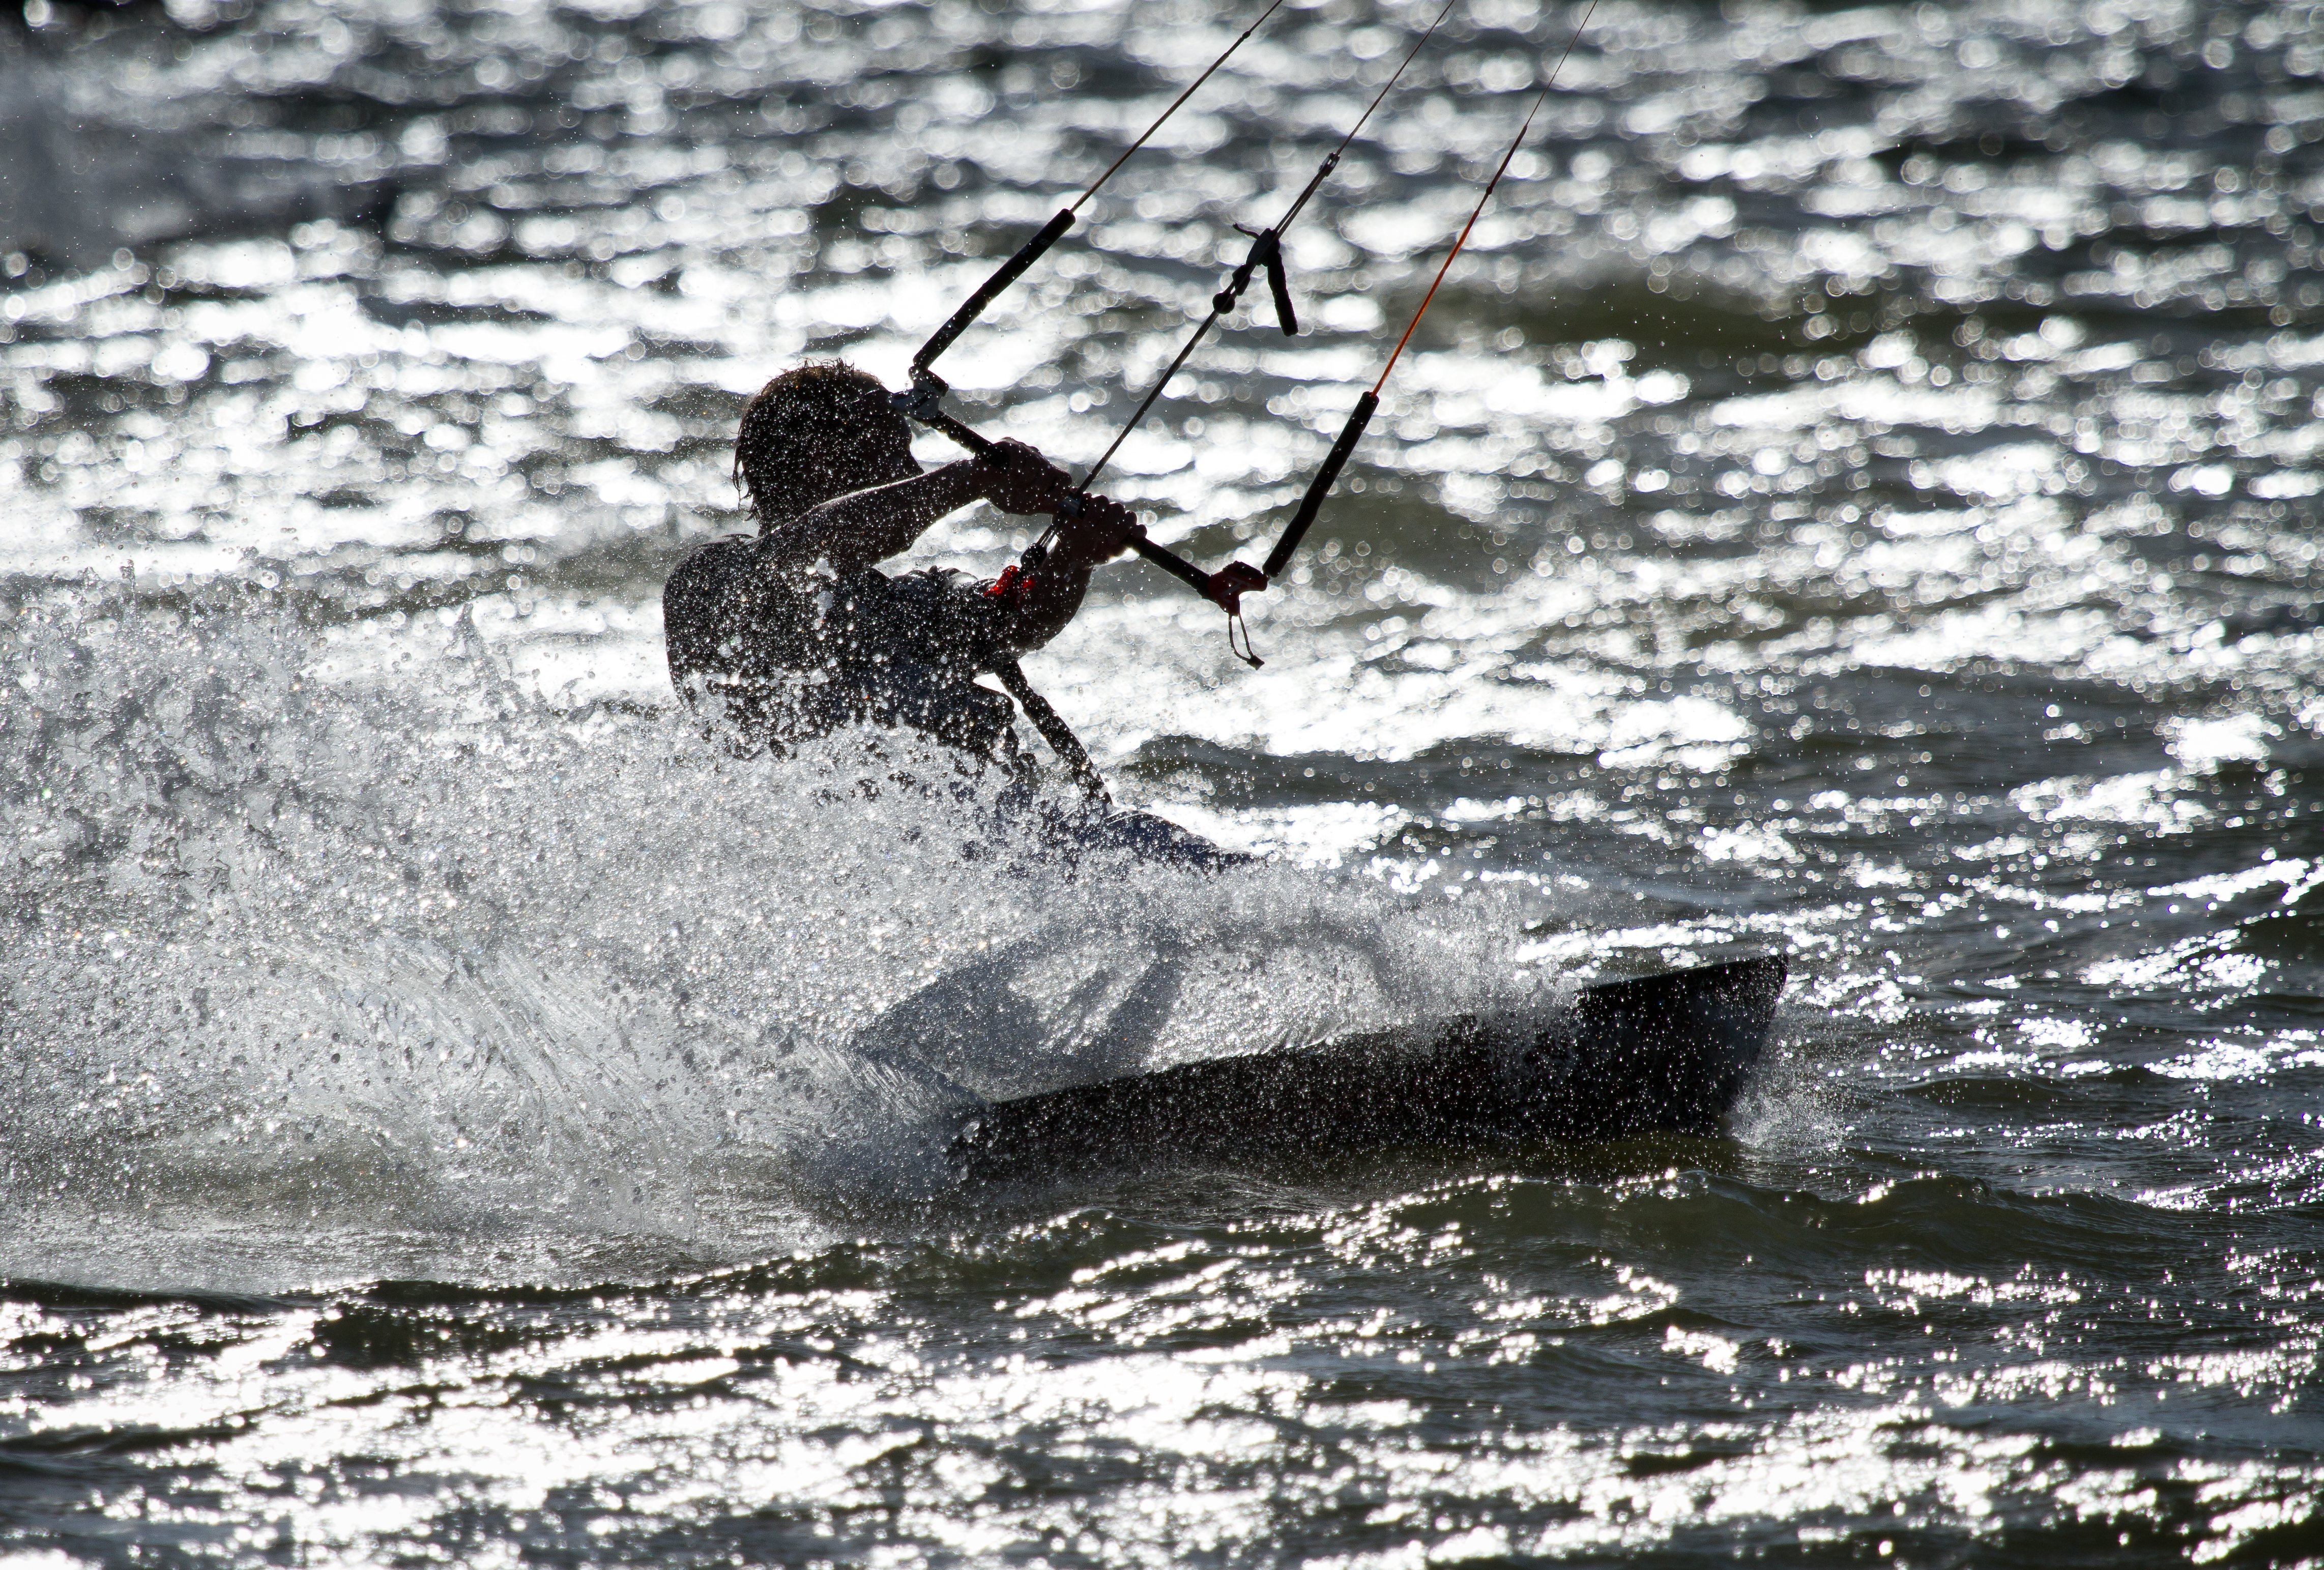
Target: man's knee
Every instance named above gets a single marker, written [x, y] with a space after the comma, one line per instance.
[1143, 834]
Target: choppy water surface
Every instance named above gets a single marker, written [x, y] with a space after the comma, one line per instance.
[1858, 501]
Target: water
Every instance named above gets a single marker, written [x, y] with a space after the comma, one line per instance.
[1857, 502]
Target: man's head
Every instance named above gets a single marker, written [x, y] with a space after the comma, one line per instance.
[824, 430]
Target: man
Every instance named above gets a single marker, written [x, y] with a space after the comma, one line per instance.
[797, 633]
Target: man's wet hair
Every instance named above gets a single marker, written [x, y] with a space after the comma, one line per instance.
[799, 432]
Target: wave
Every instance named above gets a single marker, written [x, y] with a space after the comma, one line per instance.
[429, 956]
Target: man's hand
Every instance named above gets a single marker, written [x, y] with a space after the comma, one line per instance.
[1103, 530]
[1016, 479]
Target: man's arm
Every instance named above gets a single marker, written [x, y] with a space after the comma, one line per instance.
[1035, 607]
[867, 526]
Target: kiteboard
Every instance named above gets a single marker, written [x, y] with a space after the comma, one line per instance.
[1660, 1054]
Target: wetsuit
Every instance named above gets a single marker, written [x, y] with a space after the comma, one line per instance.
[787, 656]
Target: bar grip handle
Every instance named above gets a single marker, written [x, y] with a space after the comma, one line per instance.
[1321, 486]
[1171, 562]
[1011, 270]
[938, 420]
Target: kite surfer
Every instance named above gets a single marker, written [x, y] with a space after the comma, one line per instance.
[798, 632]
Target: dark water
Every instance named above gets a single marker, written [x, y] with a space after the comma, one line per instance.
[1859, 502]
